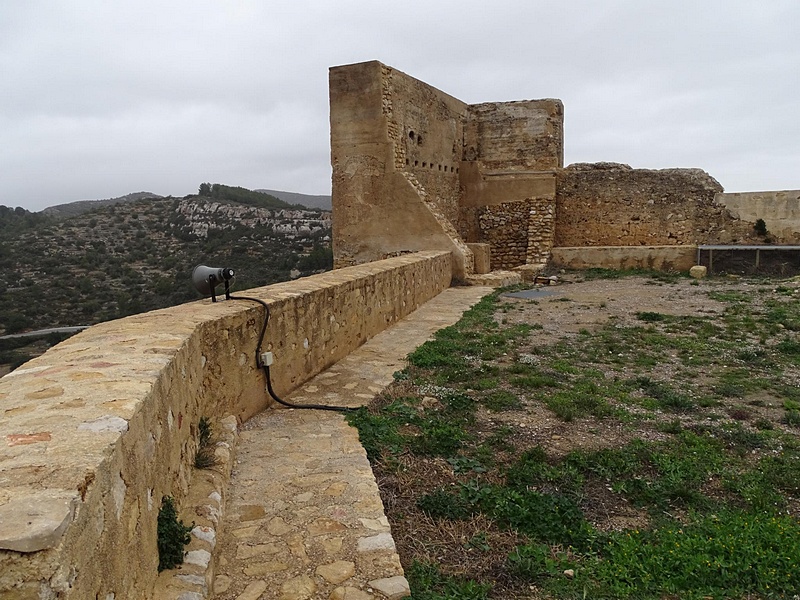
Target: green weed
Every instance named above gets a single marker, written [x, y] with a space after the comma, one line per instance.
[664, 396]
[501, 400]
[172, 535]
[378, 433]
[650, 317]
[205, 457]
[729, 554]
[427, 582]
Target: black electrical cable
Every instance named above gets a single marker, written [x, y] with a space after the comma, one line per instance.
[261, 365]
[263, 327]
[291, 405]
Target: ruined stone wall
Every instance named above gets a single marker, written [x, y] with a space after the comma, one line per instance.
[541, 230]
[505, 229]
[609, 204]
[518, 232]
[508, 201]
[511, 136]
[98, 429]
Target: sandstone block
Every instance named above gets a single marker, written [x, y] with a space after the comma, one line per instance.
[482, 254]
[36, 522]
[698, 272]
[393, 588]
[337, 572]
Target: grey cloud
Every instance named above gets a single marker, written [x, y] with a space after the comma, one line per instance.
[101, 98]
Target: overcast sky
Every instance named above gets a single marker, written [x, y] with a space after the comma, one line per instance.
[100, 98]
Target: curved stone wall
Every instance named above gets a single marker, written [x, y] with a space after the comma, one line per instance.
[94, 433]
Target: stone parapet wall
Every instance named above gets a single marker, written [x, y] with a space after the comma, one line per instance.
[95, 432]
[609, 204]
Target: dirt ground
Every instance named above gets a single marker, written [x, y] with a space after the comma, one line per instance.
[561, 311]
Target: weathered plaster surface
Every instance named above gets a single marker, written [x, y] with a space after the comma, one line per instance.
[395, 180]
[779, 209]
[659, 258]
[610, 204]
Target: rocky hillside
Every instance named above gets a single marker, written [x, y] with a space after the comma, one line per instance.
[138, 255]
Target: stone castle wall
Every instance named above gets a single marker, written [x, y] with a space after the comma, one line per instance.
[102, 426]
[426, 128]
[415, 168]
[511, 152]
[519, 233]
[526, 135]
[609, 204]
[395, 144]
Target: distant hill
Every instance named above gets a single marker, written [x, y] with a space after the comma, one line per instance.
[323, 202]
[132, 256]
[72, 209]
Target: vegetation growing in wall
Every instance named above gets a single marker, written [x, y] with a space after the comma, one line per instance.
[205, 458]
[173, 535]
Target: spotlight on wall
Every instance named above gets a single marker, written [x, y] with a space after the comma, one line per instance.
[206, 280]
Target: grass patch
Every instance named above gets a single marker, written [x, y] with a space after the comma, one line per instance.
[683, 426]
[501, 400]
[729, 554]
[427, 582]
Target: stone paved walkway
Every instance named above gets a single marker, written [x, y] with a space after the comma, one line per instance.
[304, 518]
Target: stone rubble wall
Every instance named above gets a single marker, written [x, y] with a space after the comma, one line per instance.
[95, 432]
[610, 204]
[518, 233]
[523, 135]
[541, 230]
[505, 229]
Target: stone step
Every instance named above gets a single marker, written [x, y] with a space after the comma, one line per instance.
[494, 278]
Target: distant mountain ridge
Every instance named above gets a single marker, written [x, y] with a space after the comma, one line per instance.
[79, 207]
[73, 209]
[311, 201]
